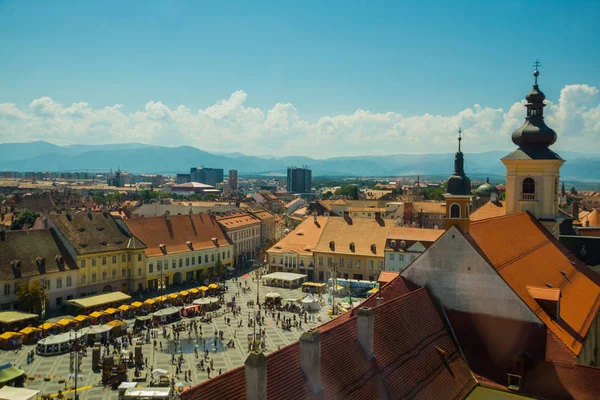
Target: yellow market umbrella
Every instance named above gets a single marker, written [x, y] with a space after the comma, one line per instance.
[46, 326]
[203, 288]
[150, 301]
[161, 298]
[136, 304]
[213, 286]
[64, 322]
[172, 296]
[374, 290]
[183, 293]
[124, 307]
[194, 290]
[81, 318]
[96, 314]
[116, 322]
[111, 311]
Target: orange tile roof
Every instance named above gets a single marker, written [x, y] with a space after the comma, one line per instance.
[593, 217]
[415, 234]
[525, 254]
[489, 210]
[237, 220]
[387, 276]
[303, 239]
[430, 207]
[363, 232]
[175, 232]
[407, 368]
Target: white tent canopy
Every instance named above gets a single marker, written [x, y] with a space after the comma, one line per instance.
[63, 337]
[16, 393]
[202, 301]
[148, 393]
[310, 303]
[273, 295]
[166, 311]
[95, 329]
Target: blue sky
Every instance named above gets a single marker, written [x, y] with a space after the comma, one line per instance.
[324, 59]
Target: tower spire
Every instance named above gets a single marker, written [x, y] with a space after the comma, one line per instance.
[537, 64]
[459, 137]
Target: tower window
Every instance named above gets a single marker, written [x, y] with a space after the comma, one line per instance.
[454, 211]
[528, 189]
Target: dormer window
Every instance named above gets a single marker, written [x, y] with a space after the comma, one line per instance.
[332, 245]
[163, 248]
[393, 244]
[189, 245]
[373, 249]
[352, 247]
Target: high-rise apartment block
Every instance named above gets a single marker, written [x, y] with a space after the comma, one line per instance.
[233, 182]
[299, 180]
[208, 176]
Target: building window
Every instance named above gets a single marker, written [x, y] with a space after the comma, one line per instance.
[218, 256]
[467, 210]
[93, 262]
[173, 264]
[528, 189]
[329, 262]
[103, 260]
[274, 260]
[82, 263]
[454, 211]
[380, 264]
[228, 253]
[341, 262]
[357, 264]
[223, 255]
[199, 260]
[58, 283]
[193, 260]
[139, 272]
[180, 262]
[94, 277]
[401, 257]
[69, 281]
[349, 263]
[7, 290]
[123, 258]
[140, 257]
[114, 274]
[391, 256]
[370, 264]
[206, 258]
[212, 257]
[83, 279]
[151, 268]
[103, 275]
[187, 262]
[114, 259]
[123, 273]
[320, 261]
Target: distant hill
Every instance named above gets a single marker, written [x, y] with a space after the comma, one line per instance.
[137, 158]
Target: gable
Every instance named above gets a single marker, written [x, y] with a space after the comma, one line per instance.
[462, 280]
[417, 247]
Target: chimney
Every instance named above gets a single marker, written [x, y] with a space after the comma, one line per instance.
[377, 215]
[255, 368]
[191, 214]
[215, 241]
[494, 197]
[310, 359]
[167, 215]
[365, 330]
[346, 215]
[315, 220]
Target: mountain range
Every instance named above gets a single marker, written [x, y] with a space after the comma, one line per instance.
[142, 158]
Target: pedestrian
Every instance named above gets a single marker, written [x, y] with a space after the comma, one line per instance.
[211, 362]
[208, 372]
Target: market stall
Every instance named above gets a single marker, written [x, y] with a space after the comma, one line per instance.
[273, 298]
[11, 375]
[91, 303]
[119, 327]
[148, 393]
[166, 315]
[99, 333]
[284, 279]
[59, 344]
[15, 320]
[31, 334]
[11, 340]
[17, 393]
[82, 320]
[310, 303]
[314, 287]
[66, 324]
[143, 321]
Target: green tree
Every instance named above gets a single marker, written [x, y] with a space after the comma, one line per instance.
[350, 191]
[220, 270]
[573, 191]
[31, 296]
[433, 193]
[26, 217]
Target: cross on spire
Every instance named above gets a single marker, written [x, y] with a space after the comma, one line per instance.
[537, 64]
[459, 137]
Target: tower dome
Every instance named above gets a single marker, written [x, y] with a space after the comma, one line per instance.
[534, 133]
[486, 189]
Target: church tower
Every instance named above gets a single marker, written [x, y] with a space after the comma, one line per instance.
[458, 196]
[533, 170]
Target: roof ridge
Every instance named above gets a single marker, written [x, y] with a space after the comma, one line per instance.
[480, 221]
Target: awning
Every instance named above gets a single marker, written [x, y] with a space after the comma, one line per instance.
[29, 330]
[111, 311]
[46, 326]
[203, 288]
[81, 318]
[116, 322]
[213, 286]
[8, 317]
[183, 293]
[166, 311]
[17, 393]
[150, 301]
[124, 307]
[161, 298]
[8, 335]
[100, 300]
[173, 296]
[96, 314]
[194, 290]
[64, 322]
[136, 304]
[273, 295]
[8, 372]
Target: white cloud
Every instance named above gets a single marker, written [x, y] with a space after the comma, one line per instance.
[230, 125]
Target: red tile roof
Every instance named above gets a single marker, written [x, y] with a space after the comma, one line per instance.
[386, 277]
[525, 254]
[176, 231]
[408, 368]
[489, 210]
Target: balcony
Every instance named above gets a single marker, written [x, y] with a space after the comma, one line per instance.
[528, 196]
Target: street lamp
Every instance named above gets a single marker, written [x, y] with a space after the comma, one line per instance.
[258, 274]
[74, 351]
[334, 288]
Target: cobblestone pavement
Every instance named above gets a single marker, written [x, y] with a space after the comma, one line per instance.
[90, 384]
